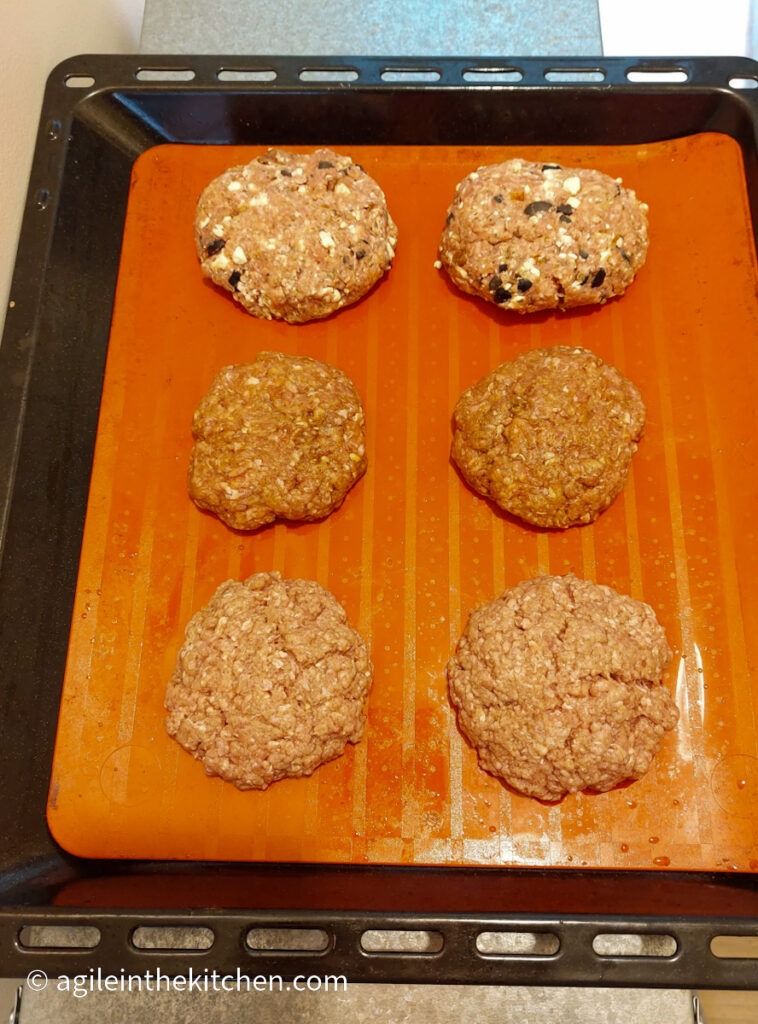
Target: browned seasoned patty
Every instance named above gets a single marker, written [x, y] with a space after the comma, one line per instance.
[530, 236]
[549, 436]
[557, 684]
[294, 236]
[281, 437]
[270, 682]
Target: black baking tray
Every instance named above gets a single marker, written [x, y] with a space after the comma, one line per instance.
[99, 114]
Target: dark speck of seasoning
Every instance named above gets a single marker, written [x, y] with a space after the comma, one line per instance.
[323, 164]
[497, 199]
[216, 246]
[565, 209]
[234, 279]
[285, 173]
[585, 279]
[584, 254]
[524, 285]
[551, 167]
[598, 279]
[501, 295]
[360, 254]
[623, 254]
[618, 189]
[359, 167]
[345, 259]
[494, 283]
[539, 207]
[449, 217]
[503, 267]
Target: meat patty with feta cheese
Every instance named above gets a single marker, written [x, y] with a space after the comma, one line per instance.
[271, 681]
[294, 236]
[557, 684]
[529, 236]
[282, 437]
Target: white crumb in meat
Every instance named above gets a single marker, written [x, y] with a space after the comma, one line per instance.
[549, 436]
[507, 225]
[557, 684]
[313, 231]
[271, 681]
[281, 437]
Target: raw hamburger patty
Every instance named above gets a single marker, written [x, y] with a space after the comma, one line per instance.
[281, 437]
[549, 436]
[557, 686]
[294, 236]
[531, 236]
[270, 682]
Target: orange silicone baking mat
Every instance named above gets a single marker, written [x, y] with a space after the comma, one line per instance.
[412, 549]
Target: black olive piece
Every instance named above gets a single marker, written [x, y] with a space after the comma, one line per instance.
[216, 246]
[551, 167]
[494, 283]
[501, 295]
[524, 284]
[539, 207]
[598, 279]
[565, 209]
[503, 267]
[585, 279]
[564, 219]
[360, 254]
[623, 254]
[234, 279]
[497, 199]
[285, 173]
[584, 254]
[323, 164]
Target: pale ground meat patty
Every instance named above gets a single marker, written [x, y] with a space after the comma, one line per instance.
[557, 685]
[530, 236]
[270, 682]
[549, 436]
[281, 437]
[294, 236]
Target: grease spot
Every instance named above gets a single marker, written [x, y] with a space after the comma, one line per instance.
[129, 774]
[734, 784]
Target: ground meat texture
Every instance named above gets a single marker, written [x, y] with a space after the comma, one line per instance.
[555, 237]
[557, 685]
[270, 682]
[549, 436]
[281, 437]
[294, 236]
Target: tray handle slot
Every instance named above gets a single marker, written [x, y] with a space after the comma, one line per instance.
[575, 75]
[735, 947]
[165, 75]
[149, 938]
[649, 75]
[287, 940]
[493, 944]
[492, 76]
[78, 81]
[743, 83]
[614, 944]
[246, 75]
[406, 74]
[328, 74]
[414, 942]
[58, 937]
